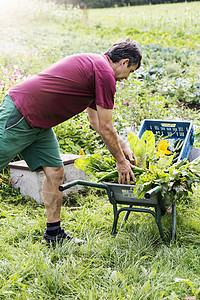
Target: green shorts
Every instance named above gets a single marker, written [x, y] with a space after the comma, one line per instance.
[39, 147]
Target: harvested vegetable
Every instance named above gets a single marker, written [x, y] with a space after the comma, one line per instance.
[157, 164]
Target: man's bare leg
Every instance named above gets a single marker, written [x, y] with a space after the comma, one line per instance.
[52, 197]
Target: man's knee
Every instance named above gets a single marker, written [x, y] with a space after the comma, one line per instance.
[54, 174]
[59, 172]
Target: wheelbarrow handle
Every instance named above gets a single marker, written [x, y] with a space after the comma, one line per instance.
[68, 185]
[152, 192]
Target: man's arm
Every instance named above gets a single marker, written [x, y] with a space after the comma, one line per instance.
[101, 121]
[93, 117]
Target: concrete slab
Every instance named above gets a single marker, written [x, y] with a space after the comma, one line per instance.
[30, 183]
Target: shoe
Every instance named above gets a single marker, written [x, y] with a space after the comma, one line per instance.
[58, 239]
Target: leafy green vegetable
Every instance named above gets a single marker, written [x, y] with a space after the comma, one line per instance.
[152, 169]
[149, 139]
[139, 148]
[97, 164]
[176, 180]
[143, 148]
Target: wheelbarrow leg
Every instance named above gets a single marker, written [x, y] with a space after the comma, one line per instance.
[173, 221]
[116, 216]
[159, 224]
[125, 217]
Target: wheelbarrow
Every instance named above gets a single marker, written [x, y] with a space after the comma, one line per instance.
[152, 202]
[122, 194]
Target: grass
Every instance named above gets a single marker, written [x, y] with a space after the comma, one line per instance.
[181, 20]
[135, 264]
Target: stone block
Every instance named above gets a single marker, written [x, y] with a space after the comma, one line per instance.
[30, 183]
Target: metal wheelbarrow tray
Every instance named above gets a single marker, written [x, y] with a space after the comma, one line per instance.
[122, 194]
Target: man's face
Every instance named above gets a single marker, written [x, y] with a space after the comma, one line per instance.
[122, 71]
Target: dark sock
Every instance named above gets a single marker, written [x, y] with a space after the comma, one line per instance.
[53, 228]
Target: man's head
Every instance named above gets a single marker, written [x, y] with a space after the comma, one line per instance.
[125, 56]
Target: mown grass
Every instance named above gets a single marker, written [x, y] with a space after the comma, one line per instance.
[135, 264]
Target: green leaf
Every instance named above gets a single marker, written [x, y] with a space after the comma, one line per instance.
[139, 148]
[133, 140]
[82, 162]
[165, 161]
[149, 140]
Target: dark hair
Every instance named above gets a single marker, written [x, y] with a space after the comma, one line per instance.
[125, 49]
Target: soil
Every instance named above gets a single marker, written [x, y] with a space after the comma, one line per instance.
[194, 106]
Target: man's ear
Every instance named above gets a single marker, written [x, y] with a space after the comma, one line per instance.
[124, 61]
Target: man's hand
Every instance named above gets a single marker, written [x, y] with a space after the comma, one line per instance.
[125, 172]
[130, 155]
[127, 151]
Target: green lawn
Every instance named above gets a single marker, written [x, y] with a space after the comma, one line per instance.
[135, 264]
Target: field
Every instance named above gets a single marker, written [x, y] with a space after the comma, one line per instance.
[135, 264]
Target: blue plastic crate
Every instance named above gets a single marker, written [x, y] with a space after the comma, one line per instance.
[172, 130]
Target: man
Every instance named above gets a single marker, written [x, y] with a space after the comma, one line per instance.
[33, 107]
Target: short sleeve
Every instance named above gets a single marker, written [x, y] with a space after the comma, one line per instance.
[93, 105]
[105, 87]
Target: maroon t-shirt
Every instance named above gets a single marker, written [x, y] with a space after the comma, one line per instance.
[65, 89]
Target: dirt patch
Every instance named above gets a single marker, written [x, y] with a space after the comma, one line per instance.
[194, 106]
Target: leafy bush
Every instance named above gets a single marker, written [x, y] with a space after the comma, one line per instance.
[77, 137]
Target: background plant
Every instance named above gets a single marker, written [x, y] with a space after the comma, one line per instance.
[76, 135]
[10, 75]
